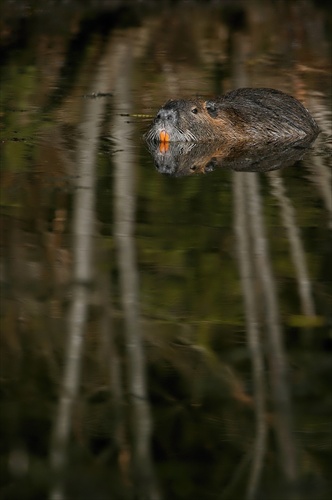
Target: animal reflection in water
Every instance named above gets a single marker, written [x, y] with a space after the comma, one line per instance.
[180, 159]
[247, 129]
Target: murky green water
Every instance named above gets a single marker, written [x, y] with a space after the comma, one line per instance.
[161, 336]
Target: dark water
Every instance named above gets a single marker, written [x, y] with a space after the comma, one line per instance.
[161, 337]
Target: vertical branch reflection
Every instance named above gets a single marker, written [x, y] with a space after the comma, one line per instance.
[247, 273]
[253, 334]
[297, 251]
[275, 349]
[124, 221]
[111, 357]
[82, 232]
[321, 177]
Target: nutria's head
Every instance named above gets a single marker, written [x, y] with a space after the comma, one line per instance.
[184, 120]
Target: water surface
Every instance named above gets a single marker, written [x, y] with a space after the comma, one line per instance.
[161, 337]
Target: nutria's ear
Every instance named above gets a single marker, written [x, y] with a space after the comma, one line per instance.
[211, 108]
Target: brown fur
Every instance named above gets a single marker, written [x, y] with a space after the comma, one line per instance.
[247, 116]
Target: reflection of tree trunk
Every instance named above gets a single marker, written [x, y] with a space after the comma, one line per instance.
[110, 356]
[275, 348]
[276, 353]
[297, 251]
[246, 266]
[321, 173]
[321, 177]
[254, 342]
[83, 228]
[124, 194]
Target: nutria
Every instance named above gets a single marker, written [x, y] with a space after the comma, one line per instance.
[247, 116]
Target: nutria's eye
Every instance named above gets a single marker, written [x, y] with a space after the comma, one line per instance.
[194, 110]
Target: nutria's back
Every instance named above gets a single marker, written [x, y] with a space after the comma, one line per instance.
[247, 116]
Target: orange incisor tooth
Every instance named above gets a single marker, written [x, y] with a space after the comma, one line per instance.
[163, 147]
[164, 136]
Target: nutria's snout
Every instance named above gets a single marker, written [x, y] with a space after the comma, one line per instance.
[167, 115]
[165, 123]
[243, 116]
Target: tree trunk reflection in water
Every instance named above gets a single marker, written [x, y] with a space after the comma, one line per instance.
[321, 177]
[247, 274]
[83, 229]
[274, 342]
[297, 250]
[110, 356]
[124, 222]
[253, 332]
[273, 335]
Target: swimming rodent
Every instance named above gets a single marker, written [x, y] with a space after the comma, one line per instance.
[248, 115]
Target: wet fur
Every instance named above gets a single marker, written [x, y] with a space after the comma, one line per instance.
[248, 116]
